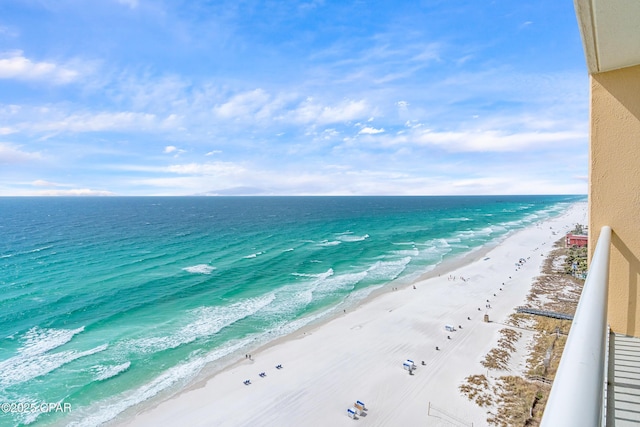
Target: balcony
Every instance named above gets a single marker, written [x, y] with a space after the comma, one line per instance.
[598, 379]
[623, 385]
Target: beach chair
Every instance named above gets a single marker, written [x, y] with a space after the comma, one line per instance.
[351, 413]
[409, 366]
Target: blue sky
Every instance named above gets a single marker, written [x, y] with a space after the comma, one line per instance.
[189, 97]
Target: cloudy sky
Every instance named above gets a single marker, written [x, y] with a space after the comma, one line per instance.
[308, 97]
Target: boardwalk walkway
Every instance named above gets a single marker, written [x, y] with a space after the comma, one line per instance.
[545, 313]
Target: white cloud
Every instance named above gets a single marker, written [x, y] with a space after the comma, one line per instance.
[347, 110]
[355, 172]
[13, 65]
[243, 104]
[313, 4]
[98, 122]
[10, 153]
[370, 131]
[172, 121]
[329, 134]
[43, 183]
[211, 168]
[159, 93]
[507, 184]
[131, 3]
[74, 192]
[6, 31]
[173, 149]
[487, 140]
[213, 152]
[412, 124]
[430, 52]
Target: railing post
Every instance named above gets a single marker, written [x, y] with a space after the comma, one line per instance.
[577, 394]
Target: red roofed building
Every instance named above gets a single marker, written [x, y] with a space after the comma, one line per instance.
[579, 240]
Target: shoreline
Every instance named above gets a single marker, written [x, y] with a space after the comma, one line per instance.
[381, 302]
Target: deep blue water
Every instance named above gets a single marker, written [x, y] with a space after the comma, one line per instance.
[108, 302]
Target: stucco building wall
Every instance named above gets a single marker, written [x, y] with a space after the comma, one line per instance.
[614, 188]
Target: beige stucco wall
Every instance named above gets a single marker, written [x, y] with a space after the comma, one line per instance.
[614, 188]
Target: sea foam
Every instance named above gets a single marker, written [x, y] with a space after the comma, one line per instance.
[36, 359]
[351, 238]
[388, 270]
[329, 243]
[103, 372]
[104, 411]
[200, 269]
[203, 322]
[252, 255]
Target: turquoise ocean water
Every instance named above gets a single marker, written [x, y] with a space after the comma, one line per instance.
[109, 302]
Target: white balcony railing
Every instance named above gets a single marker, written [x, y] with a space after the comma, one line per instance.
[577, 395]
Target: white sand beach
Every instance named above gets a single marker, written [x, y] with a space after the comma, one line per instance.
[359, 355]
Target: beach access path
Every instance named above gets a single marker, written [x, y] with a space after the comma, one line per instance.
[359, 355]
